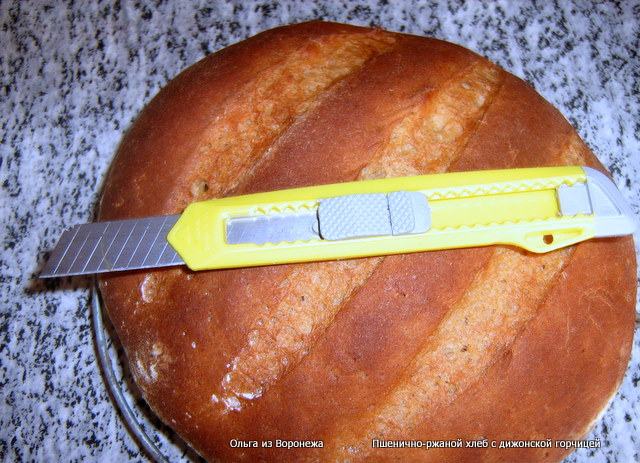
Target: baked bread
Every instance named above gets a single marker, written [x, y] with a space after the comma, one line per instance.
[488, 343]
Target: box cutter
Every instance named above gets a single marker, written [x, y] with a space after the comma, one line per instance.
[539, 209]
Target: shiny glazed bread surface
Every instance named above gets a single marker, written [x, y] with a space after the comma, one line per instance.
[492, 342]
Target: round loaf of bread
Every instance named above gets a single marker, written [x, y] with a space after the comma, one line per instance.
[336, 359]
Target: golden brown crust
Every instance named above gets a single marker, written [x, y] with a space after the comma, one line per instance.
[492, 342]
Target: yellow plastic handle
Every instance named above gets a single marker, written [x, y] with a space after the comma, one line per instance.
[514, 206]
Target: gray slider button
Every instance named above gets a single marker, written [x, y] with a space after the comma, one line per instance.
[373, 214]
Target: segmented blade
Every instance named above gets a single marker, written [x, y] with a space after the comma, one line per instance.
[111, 246]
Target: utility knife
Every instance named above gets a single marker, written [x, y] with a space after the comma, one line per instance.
[539, 209]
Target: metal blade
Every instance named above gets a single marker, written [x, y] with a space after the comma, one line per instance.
[274, 228]
[111, 246]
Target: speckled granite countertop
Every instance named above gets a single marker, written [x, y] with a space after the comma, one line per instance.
[75, 74]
